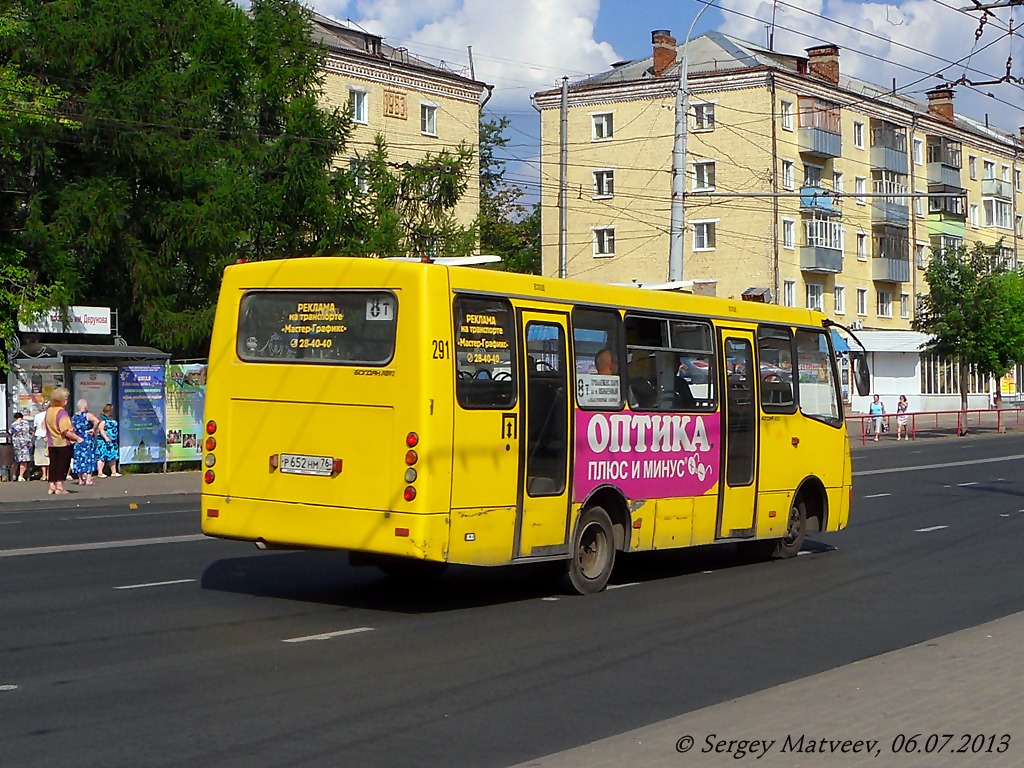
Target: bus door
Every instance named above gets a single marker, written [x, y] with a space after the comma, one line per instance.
[737, 498]
[542, 522]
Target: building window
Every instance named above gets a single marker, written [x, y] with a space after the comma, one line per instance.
[1019, 228]
[603, 126]
[788, 234]
[974, 215]
[786, 115]
[921, 255]
[1004, 173]
[1006, 259]
[357, 172]
[919, 199]
[704, 176]
[604, 241]
[787, 174]
[789, 293]
[862, 301]
[704, 117]
[704, 235]
[812, 175]
[1016, 179]
[905, 306]
[823, 232]
[862, 246]
[428, 119]
[860, 188]
[837, 182]
[858, 135]
[998, 213]
[357, 106]
[918, 146]
[604, 183]
[815, 292]
[972, 166]
[989, 169]
[840, 300]
[941, 376]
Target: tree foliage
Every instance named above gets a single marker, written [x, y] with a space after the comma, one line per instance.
[507, 228]
[178, 137]
[974, 311]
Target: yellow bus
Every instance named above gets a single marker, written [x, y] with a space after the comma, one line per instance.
[417, 414]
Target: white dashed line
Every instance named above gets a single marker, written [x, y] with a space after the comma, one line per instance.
[328, 635]
[965, 485]
[8, 687]
[878, 495]
[102, 545]
[804, 552]
[550, 599]
[920, 467]
[156, 584]
[620, 586]
[932, 528]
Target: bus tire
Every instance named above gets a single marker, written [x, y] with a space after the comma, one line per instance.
[593, 553]
[796, 529]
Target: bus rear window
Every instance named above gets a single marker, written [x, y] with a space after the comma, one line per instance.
[332, 327]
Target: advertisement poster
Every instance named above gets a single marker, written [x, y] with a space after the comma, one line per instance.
[647, 455]
[33, 383]
[95, 387]
[186, 397]
[141, 415]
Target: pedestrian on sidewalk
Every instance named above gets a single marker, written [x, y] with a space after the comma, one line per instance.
[877, 412]
[901, 418]
[85, 425]
[60, 437]
[107, 453]
[23, 438]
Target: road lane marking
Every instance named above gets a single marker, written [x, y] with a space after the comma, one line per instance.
[550, 599]
[8, 687]
[965, 485]
[128, 514]
[327, 635]
[10, 522]
[878, 495]
[891, 470]
[156, 584]
[932, 528]
[102, 545]
[621, 586]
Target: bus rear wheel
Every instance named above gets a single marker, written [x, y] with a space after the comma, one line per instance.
[796, 529]
[593, 553]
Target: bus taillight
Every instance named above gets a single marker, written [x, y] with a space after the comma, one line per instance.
[208, 476]
[211, 443]
[211, 427]
[411, 457]
[412, 439]
[336, 465]
[410, 493]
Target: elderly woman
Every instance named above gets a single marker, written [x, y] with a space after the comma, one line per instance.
[85, 425]
[60, 437]
[22, 435]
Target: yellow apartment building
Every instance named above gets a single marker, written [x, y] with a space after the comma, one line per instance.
[418, 107]
[803, 185]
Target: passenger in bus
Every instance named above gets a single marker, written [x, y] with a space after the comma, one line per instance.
[607, 363]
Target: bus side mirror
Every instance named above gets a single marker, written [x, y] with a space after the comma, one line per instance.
[862, 375]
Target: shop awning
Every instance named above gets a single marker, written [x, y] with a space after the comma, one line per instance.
[62, 352]
[839, 342]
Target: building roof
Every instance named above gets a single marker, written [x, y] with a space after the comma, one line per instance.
[338, 37]
[893, 341]
[91, 351]
[718, 53]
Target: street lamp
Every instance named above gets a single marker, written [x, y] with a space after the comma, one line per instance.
[675, 253]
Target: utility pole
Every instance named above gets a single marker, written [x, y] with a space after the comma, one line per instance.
[563, 180]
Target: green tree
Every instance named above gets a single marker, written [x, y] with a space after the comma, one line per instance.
[200, 139]
[506, 227]
[974, 312]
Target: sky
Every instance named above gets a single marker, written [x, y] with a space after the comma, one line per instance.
[523, 46]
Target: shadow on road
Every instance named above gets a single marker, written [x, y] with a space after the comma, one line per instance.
[325, 577]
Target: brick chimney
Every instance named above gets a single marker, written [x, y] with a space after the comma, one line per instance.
[940, 103]
[1021, 129]
[664, 50]
[823, 62]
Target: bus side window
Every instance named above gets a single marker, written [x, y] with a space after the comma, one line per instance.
[671, 364]
[775, 369]
[597, 346]
[818, 392]
[485, 368]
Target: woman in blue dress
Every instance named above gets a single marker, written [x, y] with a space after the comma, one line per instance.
[107, 452]
[85, 423]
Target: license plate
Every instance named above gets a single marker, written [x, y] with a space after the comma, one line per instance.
[299, 464]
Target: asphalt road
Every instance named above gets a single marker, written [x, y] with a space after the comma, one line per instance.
[167, 649]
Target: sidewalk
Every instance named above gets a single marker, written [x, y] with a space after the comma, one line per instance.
[966, 684]
[127, 486]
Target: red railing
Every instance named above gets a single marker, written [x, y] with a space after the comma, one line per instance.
[934, 423]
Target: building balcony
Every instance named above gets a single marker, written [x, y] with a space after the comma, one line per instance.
[890, 270]
[818, 200]
[996, 188]
[889, 159]
[817, 258]
[818, 142]
[884, 211]
[943, 173]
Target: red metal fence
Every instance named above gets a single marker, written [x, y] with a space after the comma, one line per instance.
[934, 423]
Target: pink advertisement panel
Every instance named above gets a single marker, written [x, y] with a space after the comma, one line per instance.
[647, 455]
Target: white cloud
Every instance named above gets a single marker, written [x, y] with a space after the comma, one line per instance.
[520, 46]
[909, 41]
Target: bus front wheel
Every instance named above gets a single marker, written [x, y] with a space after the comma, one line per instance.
[593, 553]
[796, 529]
